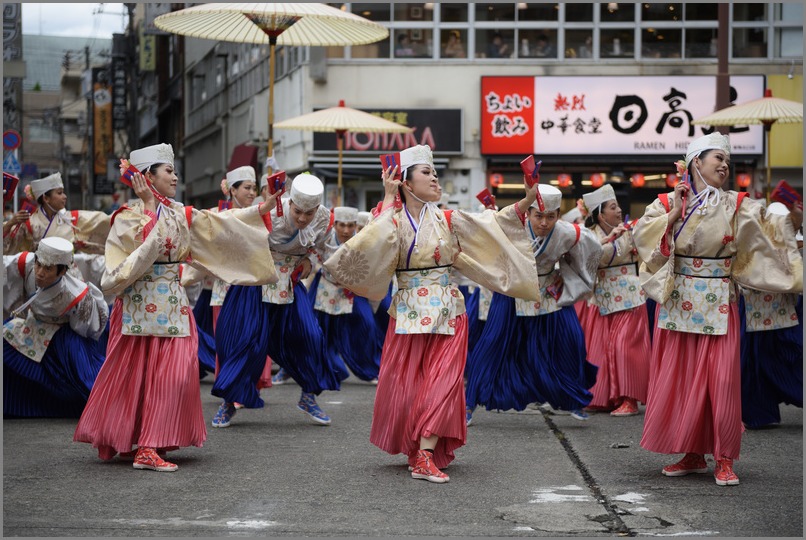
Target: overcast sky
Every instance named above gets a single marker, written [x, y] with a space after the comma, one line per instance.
[78, 20]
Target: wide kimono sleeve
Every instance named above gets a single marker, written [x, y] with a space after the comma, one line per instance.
[127, 255]
[14, 293]
[192, 275]
[366, 263]
[89, 317]
[578, 266]
[233, 245]
[496, 252]
[92, 230]
[18, 239]
[767, 257]
[655, 244]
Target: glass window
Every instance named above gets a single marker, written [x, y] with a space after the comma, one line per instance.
[373, 12]
[495, 12]
[537, 44]
[701, 43]
[789, 42]
[750, 43]
[453, 12]
[537, 12]
[661, 43]
[494, 44]
[413, 43]
[579, 44]
[412, 12]
[616, 12]
[789, 12]
[578, 12]
[617, 43]
[749, 12]
[702, 12]
[39, 131]
[661, 12]
[453, 44]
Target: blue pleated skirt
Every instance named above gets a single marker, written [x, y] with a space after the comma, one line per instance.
[650, 311]
[772, 370]
[474, 326]
[59, 386]
[521, 360]
[353, 338]
[382, 313]
[203, 312]
[206, 353]
[242, 343]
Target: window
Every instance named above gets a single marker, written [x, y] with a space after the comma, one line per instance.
[617, 43]
[374, 12]
[701, 43]
[579, 12]
[413, 12]
[661, 12]
[494, 44]
[616, 12]
[495, 12]
[537, 44]
[451, 12]
[40, 132]
[537, 12]
[579, 44]
[661, 43]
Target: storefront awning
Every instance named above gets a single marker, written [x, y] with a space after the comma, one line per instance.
[243, 155]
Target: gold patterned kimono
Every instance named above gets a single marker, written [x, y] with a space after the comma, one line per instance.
[618, 287]
[145, 273]
[331, 297]
[68, 301]
[491, 248]
[567, 260]
[289, 246]
[86, 229]
[691, 268]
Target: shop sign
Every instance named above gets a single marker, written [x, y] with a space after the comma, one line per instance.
[642, 116]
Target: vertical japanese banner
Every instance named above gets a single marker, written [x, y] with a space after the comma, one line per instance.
[507, 115]
[102, 126]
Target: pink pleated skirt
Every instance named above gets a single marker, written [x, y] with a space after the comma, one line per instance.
[146, 394]
[695, 402]
[421, 393]
[619, 344]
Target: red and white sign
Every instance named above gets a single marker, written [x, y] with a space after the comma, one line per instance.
[648, 116]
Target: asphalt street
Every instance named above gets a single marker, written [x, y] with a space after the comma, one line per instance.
[273, 473]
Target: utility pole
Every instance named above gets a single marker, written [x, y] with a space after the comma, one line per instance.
[722, 75]
[134, 126]
[87, 181]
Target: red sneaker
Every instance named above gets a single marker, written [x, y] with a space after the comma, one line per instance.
[723, 473]
[691, 463]
[629, 407]
[424, 469]
[147, 458]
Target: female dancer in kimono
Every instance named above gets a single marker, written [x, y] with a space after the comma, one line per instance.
[535, 351]
[771, 351]
[420, 401]
[147, 392]
[614, 320]
[86, 229]
[50, 354]
[279, 320]
[351, 335]
[696, 244]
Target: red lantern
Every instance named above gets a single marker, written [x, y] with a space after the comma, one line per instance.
[743, 180]
[671, 180]
[564, 180]
[597, 180]
[637, 180]
[496, 179]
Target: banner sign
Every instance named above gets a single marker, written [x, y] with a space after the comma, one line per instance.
[639, 116]
[441, 129]
[102, 123]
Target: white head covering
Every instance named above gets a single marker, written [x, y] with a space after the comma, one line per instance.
[416, 155]
[54, 250]
[306, 191]
[264, 181]
[712, 141]
[363, 218]
[143, 158]
[572, 215]
[552, 197]
[241, 174]
[443, 199]
[595, 198]
[345, 214]
[43, 185]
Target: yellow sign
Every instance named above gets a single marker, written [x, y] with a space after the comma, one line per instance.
[148, 51]
[102, 126]
[786, 140]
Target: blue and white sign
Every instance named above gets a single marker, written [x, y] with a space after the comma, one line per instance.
[11, 164]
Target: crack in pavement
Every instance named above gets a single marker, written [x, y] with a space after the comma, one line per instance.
[614, 524]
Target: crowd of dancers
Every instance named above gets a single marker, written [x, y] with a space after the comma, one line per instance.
[693, 310]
